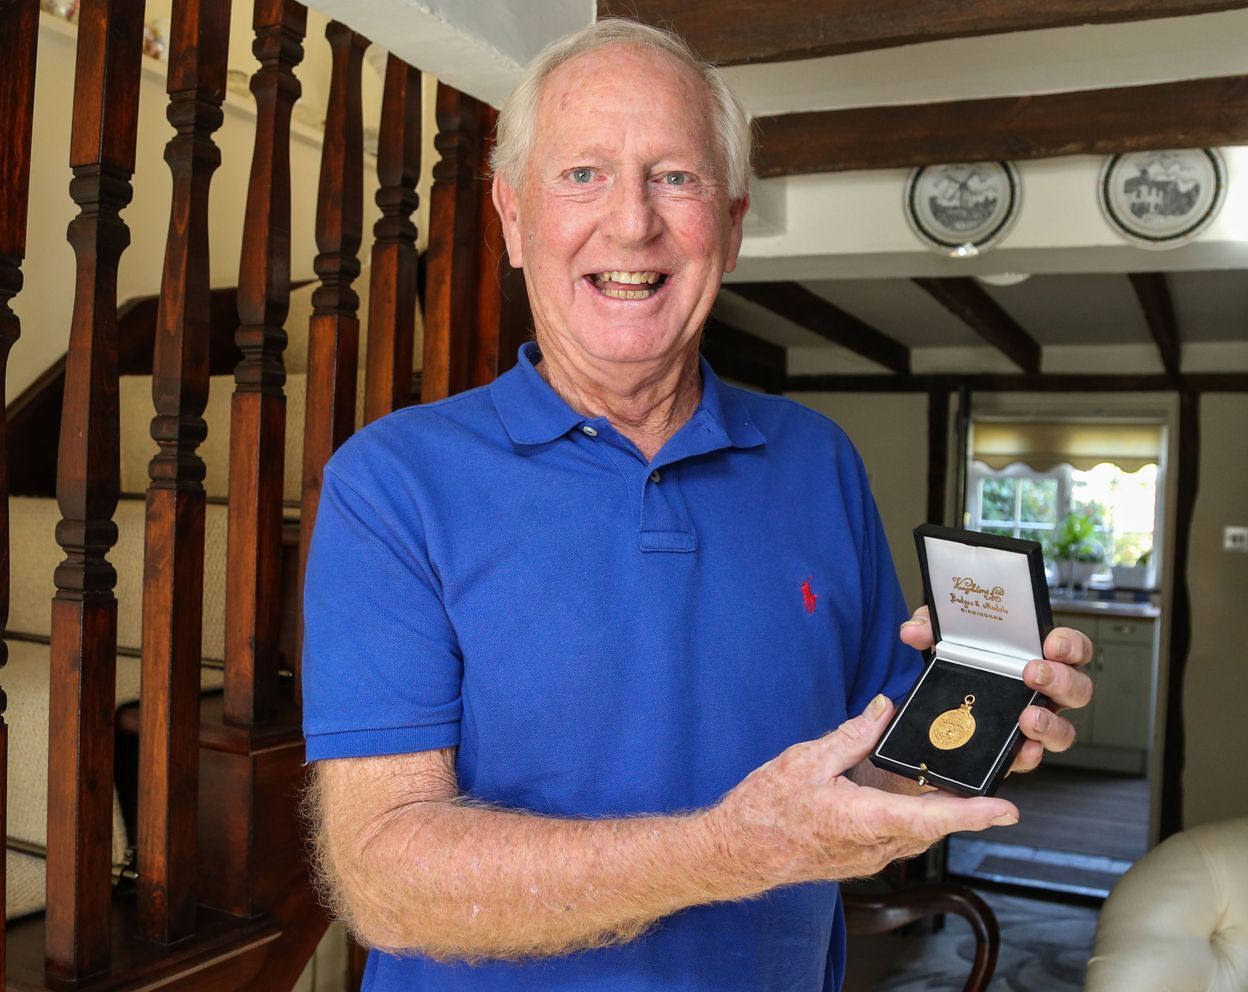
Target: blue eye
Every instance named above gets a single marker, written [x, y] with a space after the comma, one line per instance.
[582, 175]
[677, 178]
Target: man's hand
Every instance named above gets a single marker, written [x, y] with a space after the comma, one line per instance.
[1057, 675]
[800, 818]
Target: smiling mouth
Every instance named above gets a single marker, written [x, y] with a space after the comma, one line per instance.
[621, 285]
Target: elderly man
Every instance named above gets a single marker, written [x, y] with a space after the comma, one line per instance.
[594, 655]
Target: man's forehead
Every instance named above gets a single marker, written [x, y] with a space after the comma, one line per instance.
[598, 88]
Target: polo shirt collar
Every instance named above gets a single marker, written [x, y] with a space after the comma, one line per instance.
[533, 413]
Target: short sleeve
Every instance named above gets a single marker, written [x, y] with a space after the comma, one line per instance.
[886, 665]
[382, 668]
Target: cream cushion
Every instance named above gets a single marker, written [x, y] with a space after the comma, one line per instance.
[1178, 920]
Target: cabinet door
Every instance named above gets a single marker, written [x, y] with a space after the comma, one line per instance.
[1123, 690]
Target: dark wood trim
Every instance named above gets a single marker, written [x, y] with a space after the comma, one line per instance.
[808, 309]
[1174, 747]
[454, 245]
[1184, 114]
[970, 303]
[392, 296]
[1153, 293]
[258, 406]
[937, 454]
[84, 611]
[1073, 382]
[173, 565]
[740, 355]
[778, 30]
[334, 329]
[19, 39]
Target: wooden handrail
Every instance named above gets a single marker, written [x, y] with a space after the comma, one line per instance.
[334, 329]
[392, 295]
[173, 563]
[84, 612]
[19, 37]
[258, 406]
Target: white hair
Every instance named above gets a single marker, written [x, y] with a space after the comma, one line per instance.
[517, 121]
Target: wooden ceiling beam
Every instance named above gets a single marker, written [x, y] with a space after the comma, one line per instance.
[1153, 293]
[1191, 113]
[970, 303]
[778, 30]
[1075, 382]
[808, 309]
[740, 355]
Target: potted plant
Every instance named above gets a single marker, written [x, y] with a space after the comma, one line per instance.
[1140, 575]
[1077, 551]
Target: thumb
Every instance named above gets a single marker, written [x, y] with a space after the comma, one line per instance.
[851, 742]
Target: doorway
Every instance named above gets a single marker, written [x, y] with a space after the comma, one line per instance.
[1092, 491]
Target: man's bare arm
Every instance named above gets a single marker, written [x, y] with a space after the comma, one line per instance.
[417, 868]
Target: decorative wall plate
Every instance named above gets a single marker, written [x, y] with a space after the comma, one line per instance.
[1163, 199]
[963, 209]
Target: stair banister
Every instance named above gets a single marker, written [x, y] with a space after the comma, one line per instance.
[19, 37]
[258, 406]
[392, 294]
[84, 611]
[334, 328]
[173, 562]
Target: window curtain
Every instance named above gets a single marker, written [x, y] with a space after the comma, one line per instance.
[1045, 444]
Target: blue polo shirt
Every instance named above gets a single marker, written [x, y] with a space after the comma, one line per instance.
[604, 637]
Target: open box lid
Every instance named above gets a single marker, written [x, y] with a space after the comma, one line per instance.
[988, 597]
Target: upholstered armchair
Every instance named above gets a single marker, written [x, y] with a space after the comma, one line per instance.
[1178, 920]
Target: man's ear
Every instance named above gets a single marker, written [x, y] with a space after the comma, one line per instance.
[736, 216]
[507, 203]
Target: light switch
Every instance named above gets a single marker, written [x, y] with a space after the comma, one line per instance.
[1235, 539]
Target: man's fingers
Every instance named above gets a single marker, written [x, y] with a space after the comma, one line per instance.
[1069, 646]
[936, 815]
[917, 631]
[1065, 685]
[851, 742]
[1056, 733]
[1028, 757]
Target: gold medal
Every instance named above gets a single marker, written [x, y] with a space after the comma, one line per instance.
[953, 728]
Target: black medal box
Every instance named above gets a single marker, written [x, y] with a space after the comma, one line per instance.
[989, 606]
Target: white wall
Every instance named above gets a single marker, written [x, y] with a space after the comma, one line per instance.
[1215, 777]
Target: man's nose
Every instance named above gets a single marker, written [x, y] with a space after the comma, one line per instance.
[632, 218]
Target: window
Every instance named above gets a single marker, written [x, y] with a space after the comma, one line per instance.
[1025, 475]
[1020, 502]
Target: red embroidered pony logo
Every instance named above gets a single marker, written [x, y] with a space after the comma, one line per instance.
[809, 599]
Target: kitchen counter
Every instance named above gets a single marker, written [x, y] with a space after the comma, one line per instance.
[1103, 608]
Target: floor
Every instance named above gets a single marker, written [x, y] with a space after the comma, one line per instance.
[1078, 832]
[1045, 948]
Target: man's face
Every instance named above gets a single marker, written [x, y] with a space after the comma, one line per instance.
[623, 224]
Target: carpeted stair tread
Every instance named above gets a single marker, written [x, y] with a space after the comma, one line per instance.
[35, 555]
[26, 681]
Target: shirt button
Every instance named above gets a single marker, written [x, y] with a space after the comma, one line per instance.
[590, 431]
[654, 476]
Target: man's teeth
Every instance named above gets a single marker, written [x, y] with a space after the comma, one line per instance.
[619, 278]
[635, 278]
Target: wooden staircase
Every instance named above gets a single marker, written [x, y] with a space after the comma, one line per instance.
[203, 611]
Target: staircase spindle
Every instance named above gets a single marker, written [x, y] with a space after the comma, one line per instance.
[84, 612]
[19, 36]
[334, 330]
[173, 577]
[258, 406]
[451, 259]
[392, 299]
[503, 316]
